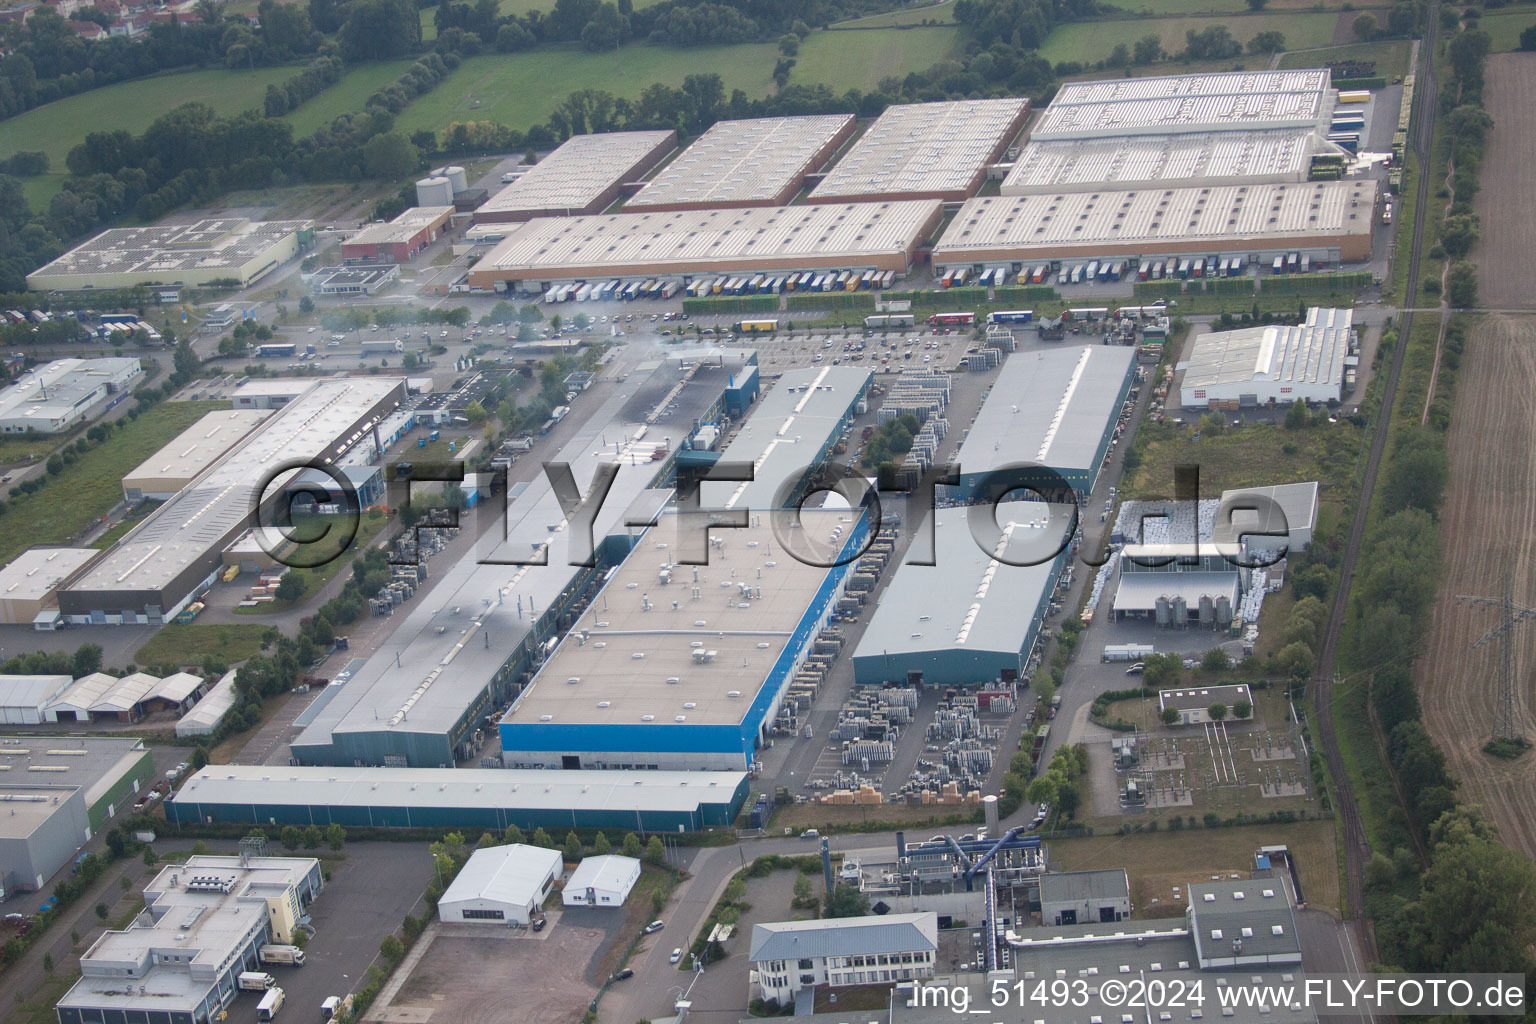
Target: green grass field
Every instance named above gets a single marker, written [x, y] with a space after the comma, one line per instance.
[90, 488]
[346, 96]
[1165, 8]
[944, 13]
[858, 60]
[58, 127]
[187, 645]
[1504, 27]
[522, 89]
[1091, 41]
[1390, 55]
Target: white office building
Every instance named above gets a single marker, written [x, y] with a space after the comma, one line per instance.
[790, 956]
[602, 881]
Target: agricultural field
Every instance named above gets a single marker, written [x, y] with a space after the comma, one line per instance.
[1390, 55]
[523, 89]
[942, 13]
[346, 96]
[1504, 28]
[1487, 528]
[92, 486]
[1508, 180]
[858, 60]
[1090, 41]
[1164, 8]
[58, 127]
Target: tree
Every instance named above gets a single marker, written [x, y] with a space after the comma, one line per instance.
[513, 835]
[1257, 5]
[1242, 708]
[846, 901]
[1271, 41]
[392, 949]
[87, 659]
[543, 838]
[1042, 791]
[1119, 57]
[475, 412]
[291, 587]
[101, 911]
[1215, 660]
[600, 844]
[1364, 26]
[1528, 38]
[1217, 711]
[1162, 670]
[335, 836]
[804, 896]
[1461, 290]
[1418, 472]
[55, 465]
[789, 44]
[1170, 715]
[291, 837]
[1147, 50]
[199, 759]
[150, 858]
[378, 29]
[573, 848]
[312, 837]
[655, 852]
[632, 847]
[389, 156]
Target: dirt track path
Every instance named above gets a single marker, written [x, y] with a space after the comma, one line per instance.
[1488, 525]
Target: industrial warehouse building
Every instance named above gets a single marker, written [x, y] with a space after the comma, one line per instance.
[206, 715]
[24, 700]
[205, 920]
[842, 236]
[432, 693]
[1178, 585]
[1160, 161]
[176, 465]
[971, 617]
[1271, 365]
[154, 571]
[603, 881]
[501, 883]
[201, 253]
[53, 397]
[479, 798]
[27, 584]
[583, 176]
[925, 151]
[685, 667]
[1082, 897]
[400, 239]
[760, 162]
[1264, 518]
[1225, 101]
[1056, 409]
[59, 791]
[1327, 220]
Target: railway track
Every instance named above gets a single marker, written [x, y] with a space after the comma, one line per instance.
[1356, 846]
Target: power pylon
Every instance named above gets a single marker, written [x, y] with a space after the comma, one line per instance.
[1510, 616]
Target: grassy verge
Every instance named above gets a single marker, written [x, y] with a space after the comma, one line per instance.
[17, 450]
[92, 486]
[189, 644]
[1089, 41]
[329, 553]
[39, 1008]
[1390, 55]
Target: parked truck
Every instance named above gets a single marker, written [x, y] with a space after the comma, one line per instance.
[279, 954]
[255, 981]
[270, 1004]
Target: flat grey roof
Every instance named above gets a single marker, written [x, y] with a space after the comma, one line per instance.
[403, 228]
[197, 447]
[457, 787]
[1256, 911]
[1187, 698]
[56, 387]
[578, 172]
[1187, 103]
[712, 240]
[1139, 591]
[1049, 407]
[923, 148]
[1309, 353]
[1296, 502]
[91, 763]
[35, 572]
[967, 600]
[845, 936]
[1195, 217]
[793, 424]
[751, 161]
[635, 651]
[229, 242]
[174, 536]
[1109, 883]
[444, 657]
[1150, 161]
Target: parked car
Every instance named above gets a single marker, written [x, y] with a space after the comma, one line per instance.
[622, 975]
[810, 833]
[677, 954]
[654, 927]
[1136, 669]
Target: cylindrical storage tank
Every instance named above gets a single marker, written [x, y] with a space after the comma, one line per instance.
[434, 192]
[456, 177]
[989, 811]
[1179, 613]
[1163, 611]
[1223, 611]
[1207, 610]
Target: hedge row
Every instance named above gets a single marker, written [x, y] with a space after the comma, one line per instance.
[830, 300]
[1313, 284]
[731, 304]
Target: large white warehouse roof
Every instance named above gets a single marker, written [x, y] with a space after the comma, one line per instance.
[1148, 161]
[1187, 103]
[758, 162]
[1282, 364]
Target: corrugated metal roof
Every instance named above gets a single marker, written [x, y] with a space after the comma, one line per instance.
[607, 871]
[577, 173]
[30, 692]
[743, 161]
[1244, 99]
[845, 936]
[1309, 353]
[1141, 161]
[1068, 886]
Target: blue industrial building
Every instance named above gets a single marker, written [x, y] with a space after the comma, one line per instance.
[468, 798]
[1051, 418]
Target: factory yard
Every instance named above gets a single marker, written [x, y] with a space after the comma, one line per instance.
[1488, 525]
[1508, 169]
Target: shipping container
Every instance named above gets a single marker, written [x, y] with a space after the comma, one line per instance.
[1092, 272]
[1011, 316]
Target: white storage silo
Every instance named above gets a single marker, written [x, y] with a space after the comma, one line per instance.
[434, 192]
[456, 177]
